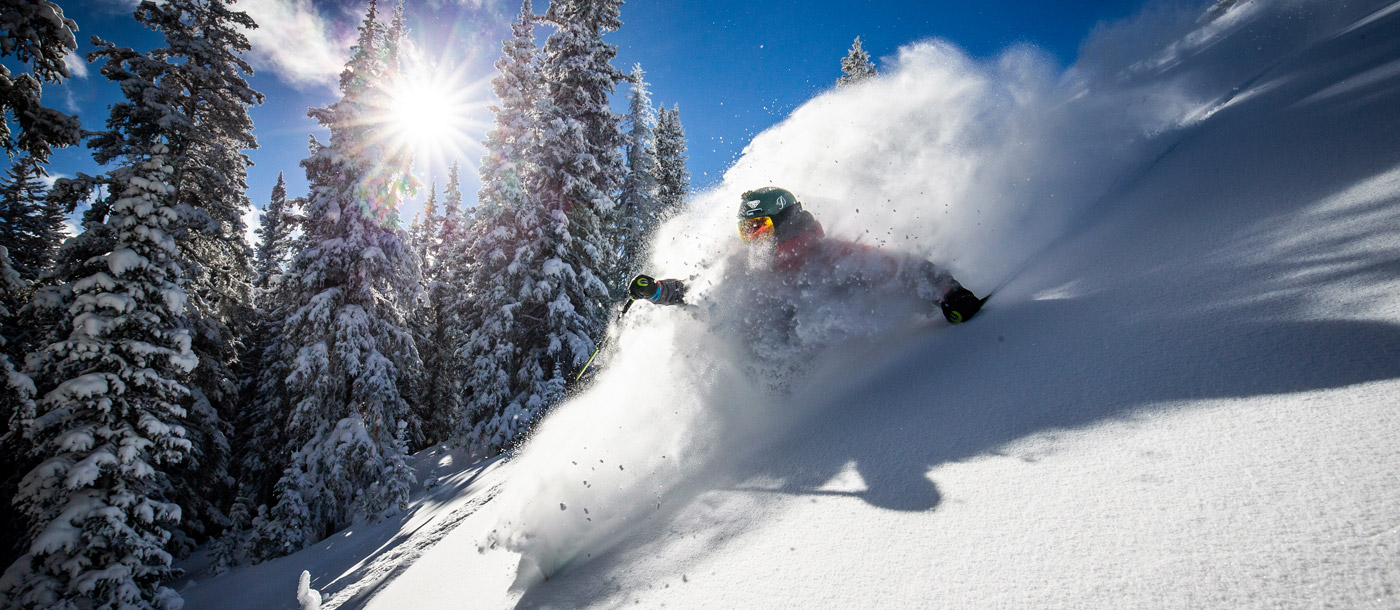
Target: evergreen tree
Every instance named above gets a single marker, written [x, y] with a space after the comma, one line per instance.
[483, 328]
[581, 159]
[444, 291]
[34, 34]
[546, 237]
[30, 223]
[673, 179]
[192, 95]
[16, 398]
[46, 320]
[570, 234]
[426, 232]
[489, 262]
[261, 457]
[346, 342]
[427, 238]
[640, 202]
[37, 35]
[275, 228]
[855, 66]
[455, 219]
[108, 422]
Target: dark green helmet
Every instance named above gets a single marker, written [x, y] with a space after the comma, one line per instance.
[767, 201]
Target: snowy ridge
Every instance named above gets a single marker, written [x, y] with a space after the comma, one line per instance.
[1183, 400]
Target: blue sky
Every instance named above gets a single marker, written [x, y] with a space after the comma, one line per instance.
[733, 67]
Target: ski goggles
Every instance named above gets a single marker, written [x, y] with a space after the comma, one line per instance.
[755, 228]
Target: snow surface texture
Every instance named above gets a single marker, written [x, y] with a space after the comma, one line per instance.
[1183, 400]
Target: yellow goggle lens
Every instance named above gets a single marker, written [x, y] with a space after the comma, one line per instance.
[754, 228]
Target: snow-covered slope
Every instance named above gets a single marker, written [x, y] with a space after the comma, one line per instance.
[1185, 398]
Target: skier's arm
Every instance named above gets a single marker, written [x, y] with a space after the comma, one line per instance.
[937, 285]
[661, 292]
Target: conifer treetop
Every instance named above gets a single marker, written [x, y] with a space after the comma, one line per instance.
[856, 66]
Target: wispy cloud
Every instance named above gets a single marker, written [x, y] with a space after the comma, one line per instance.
[77, 66]
[120, 6]
[472, 3]
[302, 45]
[295, 42]
[78, 69]
[70, 102]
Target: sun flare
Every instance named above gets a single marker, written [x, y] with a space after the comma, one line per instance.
[434, 118]
[420, 110]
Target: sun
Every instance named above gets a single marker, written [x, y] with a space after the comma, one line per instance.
[421, 109]
[435, 118]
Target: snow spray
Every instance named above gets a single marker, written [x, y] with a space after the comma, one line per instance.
[974, 164]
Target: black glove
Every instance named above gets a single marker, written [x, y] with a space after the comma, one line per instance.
[661, 292]
[959, 305]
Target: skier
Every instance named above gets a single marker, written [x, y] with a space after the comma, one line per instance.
[772, 217]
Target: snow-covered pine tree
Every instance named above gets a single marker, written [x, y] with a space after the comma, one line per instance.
[427, 320]
[581, 159]
[490, 262]
[426, 232]
[260, 457]
[640, 203]
[567, 241]
[393, 41]
[443, 290]
[16, 398]
[31, 225]
[855, 66]
[193, 95]
[34, 34]
[276, 226]
[548, 221]
[107, 426]
[673, 179]
[37, 35]
[347, 343]
[455, 220]
[425, 237]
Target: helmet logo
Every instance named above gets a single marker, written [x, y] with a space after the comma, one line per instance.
[754, 203]
[782, 201]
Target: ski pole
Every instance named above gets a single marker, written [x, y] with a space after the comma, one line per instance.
[606, 333]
